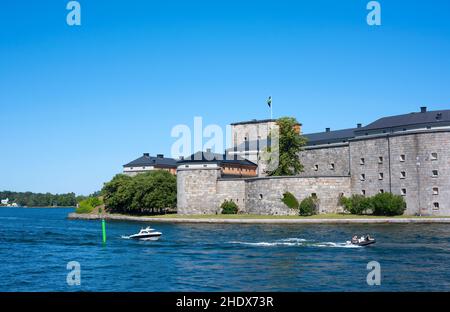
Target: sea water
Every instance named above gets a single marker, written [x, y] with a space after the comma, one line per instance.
[36, 245]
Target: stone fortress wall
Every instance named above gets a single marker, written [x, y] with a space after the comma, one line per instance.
[201, 192]
[414, 163]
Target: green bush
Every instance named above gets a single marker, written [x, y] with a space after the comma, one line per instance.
[229, 207]
[356, 204]
[308, 206]
[290, 200]
[84, 207]
[87, 205]
[388, 204]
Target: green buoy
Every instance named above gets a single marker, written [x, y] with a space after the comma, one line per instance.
[104, 230]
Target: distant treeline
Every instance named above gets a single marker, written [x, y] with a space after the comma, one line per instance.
[30, 199]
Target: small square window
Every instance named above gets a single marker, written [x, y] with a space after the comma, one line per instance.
[380, 176]
[362, 161]
[362, 177]
[435, 174]
[331, 166]
[435, 191]
[434, 156]
[380, 159]
[403, 192]
[402, 158]
[363, 192]
[381, 191]
[435, 205]
[316, 167]
[403, 175]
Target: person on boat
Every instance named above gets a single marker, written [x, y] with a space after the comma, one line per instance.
[362, 239]
[355, 239]
[368, 237]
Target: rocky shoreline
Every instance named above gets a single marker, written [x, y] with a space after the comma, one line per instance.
[75, 216]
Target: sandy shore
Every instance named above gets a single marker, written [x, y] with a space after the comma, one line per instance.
[75, 216]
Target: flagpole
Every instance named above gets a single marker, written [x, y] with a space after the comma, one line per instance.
[269, 102]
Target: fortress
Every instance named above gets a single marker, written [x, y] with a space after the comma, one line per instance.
[408, 155]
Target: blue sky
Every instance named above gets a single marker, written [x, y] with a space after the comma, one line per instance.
[79, 102]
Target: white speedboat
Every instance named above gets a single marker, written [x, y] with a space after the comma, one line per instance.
[146, 234]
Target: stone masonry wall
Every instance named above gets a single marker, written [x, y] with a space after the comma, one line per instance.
[324, 158]
[366, 166]
[418, 166]
[263, 195]
[231, 189]
[197, 191]
[407, 169]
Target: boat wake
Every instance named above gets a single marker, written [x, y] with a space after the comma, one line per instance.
[295, 242]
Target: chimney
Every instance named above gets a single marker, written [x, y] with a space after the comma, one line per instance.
[358, 125]
[146, 154]
[160, 155]
[423, 109]
[327, 129]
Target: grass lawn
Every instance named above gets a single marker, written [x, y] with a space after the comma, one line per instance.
[321, 216]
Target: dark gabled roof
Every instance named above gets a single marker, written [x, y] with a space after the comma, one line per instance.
[419, 118]
[147, 160]
[209, 157]
[336, 136]
[253, 121]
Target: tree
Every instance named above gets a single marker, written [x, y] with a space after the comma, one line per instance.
[290, 144]
[140, 194]
[117, 194]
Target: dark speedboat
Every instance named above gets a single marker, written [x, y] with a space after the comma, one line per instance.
[363, 241]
